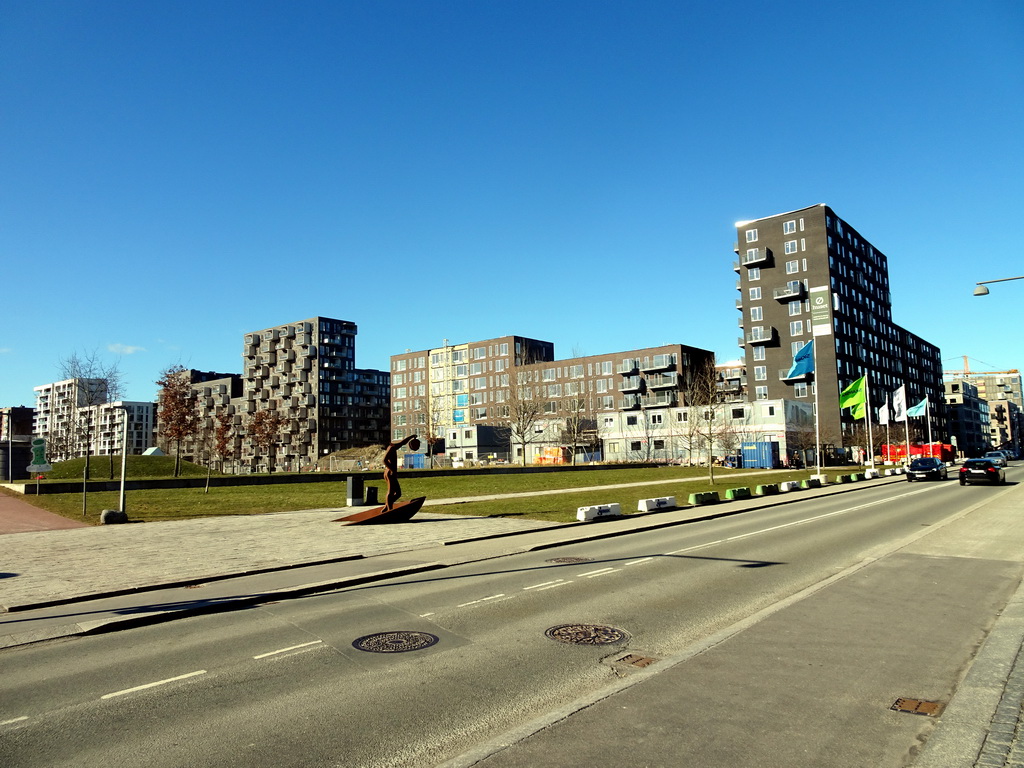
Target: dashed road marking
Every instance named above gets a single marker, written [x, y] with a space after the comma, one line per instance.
[588, 574]
[641, 560]
[290, 648]
[152, 685]
[15, 720]
[544, 584]
[481, 600]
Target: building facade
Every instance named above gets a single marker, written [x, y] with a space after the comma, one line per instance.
[75, 419]
[968, 416]
[782, 260]
[453, 391]
[304, 373]
[1003, 392]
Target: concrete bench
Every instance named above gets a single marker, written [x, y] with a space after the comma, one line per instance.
[707, 497]
[737, 493]
[789, 485]
[598, 511]
[770, 489]
[812, 482]
[652, 505]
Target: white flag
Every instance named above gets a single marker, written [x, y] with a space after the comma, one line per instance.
[899, 404]
[883, 414]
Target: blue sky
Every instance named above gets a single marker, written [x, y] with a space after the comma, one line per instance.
[174, 174]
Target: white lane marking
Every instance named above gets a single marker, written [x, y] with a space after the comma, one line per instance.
[605, 572]
[481, 600]
[543, 584]
[424, 615]
[642, 560]
[595, 573]
[552, 586]
[285, 650]
[152, 685]
[15, 720]
[794, 523]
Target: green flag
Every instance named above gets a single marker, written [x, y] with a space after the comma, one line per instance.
[854, 397]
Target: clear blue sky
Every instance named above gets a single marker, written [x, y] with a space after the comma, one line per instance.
[174, 174]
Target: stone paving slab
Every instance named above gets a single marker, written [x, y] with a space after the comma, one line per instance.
[43, 566]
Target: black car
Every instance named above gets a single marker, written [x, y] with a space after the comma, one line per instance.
[981, 471]
[926, 469]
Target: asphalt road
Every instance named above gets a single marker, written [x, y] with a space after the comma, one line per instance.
[282, 684]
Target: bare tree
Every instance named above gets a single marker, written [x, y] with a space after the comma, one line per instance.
[432, 426]
[580, 414]
[264, 430]
[522, 412]
[177, 410]
[707, 418]
[96, 383]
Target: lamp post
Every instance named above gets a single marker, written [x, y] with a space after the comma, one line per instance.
[981, 290]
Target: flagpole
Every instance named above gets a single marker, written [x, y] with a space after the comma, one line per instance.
[928, 418]
[906, 423]
[867, 419]
[817, 413]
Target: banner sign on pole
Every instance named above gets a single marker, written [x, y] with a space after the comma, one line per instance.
[821, 311]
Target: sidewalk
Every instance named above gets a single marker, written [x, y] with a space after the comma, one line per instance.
[51, 567]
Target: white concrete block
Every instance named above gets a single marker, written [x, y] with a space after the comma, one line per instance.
[586, 514]
[650, 505]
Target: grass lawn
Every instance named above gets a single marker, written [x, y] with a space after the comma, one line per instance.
[178, 504]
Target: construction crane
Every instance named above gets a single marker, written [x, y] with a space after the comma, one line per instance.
[968, 372]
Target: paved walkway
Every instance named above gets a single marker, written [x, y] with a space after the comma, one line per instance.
[17, 516]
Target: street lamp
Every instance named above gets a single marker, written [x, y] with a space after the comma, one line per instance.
[981, 290]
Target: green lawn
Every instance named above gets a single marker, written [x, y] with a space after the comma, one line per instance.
[177, 504]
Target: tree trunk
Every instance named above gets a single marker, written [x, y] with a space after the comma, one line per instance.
[177, 457]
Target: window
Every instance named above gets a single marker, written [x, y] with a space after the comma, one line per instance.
[789, 227]
[795, 308]
[790, 246]
[761, 393]
[479, 352]
[631, 421]
[769, 410]
[756, 314]
[656, 418]
[475, 369]
[606, 368]
[738, 413]
[755, 293]
[754, 273]
[760, 373]
[796, 346]
[682, 416]
[609, 422]
[759, 353]
[751, 235]
[800, 389]
[792, 267]
[796, 328]
[659, 445]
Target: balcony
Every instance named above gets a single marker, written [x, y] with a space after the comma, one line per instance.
[756, 257]
[628, 367]
[735, 266]
[791, 292]
[808, 376]
[739, 304]
[660, 400]
[660, 363]
[629, 403]
[662, 380]
[631, 384]
[761, 335]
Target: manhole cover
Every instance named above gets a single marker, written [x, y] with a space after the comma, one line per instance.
[564, 560]
[586, 634]
[395, 642]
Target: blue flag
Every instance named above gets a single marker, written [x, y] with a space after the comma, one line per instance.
[803, 361]
[919, 409]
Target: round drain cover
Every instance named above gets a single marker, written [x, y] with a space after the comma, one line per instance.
[571, 560]
[587, 634]
[395, 642]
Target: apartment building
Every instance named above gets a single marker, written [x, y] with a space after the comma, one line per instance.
[75, 418]
[1003, 392]
[783, 260]
[305, 373]
[462, 393]
[968, 416]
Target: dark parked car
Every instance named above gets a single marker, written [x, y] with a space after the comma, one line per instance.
[981, 471]
[926, 469]
[998, 458]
